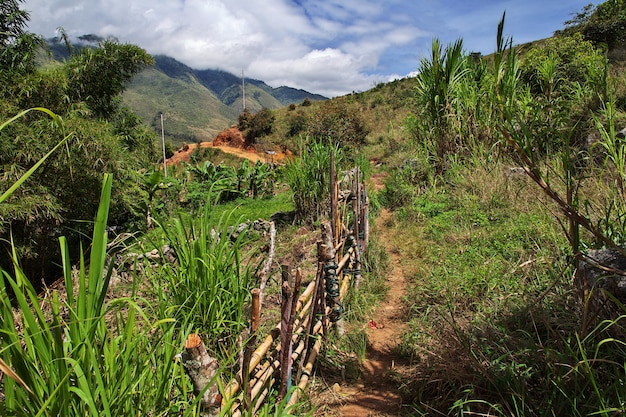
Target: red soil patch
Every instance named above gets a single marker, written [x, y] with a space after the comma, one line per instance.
[232, 137]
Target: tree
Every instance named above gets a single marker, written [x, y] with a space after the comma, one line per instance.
[17, 46]
[97, 76]
[339, 123]
[603, 24]
[256, 125]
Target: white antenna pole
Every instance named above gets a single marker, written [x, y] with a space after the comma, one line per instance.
[163, 143]
[243, 88]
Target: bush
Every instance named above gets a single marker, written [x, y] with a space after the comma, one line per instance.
[405, 182]
[338, 123]
[296, 123]
[256, 125]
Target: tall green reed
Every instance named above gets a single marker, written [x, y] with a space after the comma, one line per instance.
[210, 284]
[74, 354]
[308, 177]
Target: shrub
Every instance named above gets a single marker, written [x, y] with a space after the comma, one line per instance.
[256, 125]
[296, 123]
[338, 123]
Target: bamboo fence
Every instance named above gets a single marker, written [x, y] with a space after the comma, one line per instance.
[288, 352]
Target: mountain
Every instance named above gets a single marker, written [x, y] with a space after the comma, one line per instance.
[196, 104]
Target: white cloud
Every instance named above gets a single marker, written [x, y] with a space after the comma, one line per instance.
[330, 47]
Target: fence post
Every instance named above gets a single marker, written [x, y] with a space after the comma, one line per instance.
[255, 319]
[202, 369]
[285, 338]
[333, 295]
[334, 205]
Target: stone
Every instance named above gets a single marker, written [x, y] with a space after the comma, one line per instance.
[605, 269]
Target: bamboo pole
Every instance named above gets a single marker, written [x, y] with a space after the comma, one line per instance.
[272, 364]
[264, 379]
[344, 260]
[254, 326]
[315, 308]
[307, 369]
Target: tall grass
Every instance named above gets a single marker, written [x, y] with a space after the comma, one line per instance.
[210, 284]
[60, 357]
[79, 353]
[308, 177]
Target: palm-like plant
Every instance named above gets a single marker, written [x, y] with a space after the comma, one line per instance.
[440, 78]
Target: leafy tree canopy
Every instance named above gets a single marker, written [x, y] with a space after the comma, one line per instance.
[97, 76]
[17, 46]
[63, 194]
[602, 24]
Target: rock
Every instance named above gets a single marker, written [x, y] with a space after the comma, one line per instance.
[515, 173]
[281, 217]
[605, 269]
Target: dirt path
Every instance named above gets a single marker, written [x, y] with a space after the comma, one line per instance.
[376, 393]
[183, 154]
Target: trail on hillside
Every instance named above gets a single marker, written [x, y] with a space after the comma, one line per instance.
[184, 153]
[376, 392]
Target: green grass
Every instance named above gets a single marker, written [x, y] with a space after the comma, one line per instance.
[260, 208]
[82, 353]
[493, 316]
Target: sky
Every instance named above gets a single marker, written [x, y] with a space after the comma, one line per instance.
[328, 47]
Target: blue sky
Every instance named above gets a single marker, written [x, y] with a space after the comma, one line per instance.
[330, 47]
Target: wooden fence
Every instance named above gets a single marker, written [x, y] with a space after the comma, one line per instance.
[287, 354]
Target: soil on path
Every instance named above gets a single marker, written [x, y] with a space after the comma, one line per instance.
[184, 153]
[376, 392]
[230, 141]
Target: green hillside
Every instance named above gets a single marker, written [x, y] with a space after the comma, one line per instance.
[198, 104]
[197, 116]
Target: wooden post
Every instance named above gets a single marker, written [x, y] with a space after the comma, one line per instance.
[285, 337]
[255, 319]
[264, 274]
[331, 279]
[333, 199]
[366, 221]
[202, 369]
[356, 189]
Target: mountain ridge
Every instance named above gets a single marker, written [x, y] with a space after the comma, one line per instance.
[210, 100]
[196, 104]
